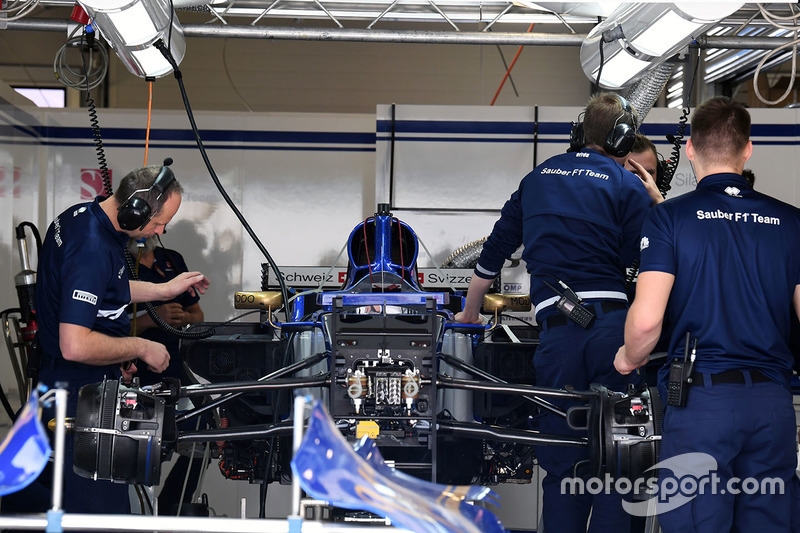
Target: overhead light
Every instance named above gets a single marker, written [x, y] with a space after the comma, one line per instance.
[637, 37]
[621, 68]
[132, 26]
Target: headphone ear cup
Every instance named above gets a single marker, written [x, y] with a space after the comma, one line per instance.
[133, 214]
[576, 137]
[620, 140]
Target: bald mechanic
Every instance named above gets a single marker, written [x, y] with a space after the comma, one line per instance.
[81, 295]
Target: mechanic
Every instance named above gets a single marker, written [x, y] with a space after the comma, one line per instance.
[722, 263]
[579, 216]
[644, 152]
[157, 264]
[82, 292]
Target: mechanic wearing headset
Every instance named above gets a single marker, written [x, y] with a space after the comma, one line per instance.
[722, 264]
[82, 293]
[579, 216]
[159, 265]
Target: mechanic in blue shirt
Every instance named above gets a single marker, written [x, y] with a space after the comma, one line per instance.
[157, 264]
[82, 293]
[723, 264]
[579, 217]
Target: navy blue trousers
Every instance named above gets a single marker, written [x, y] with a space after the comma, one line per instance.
[80, 495]
[571, 355]
[749, 431]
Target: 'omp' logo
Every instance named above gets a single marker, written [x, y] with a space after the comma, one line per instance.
[83, 296]
[91, 183]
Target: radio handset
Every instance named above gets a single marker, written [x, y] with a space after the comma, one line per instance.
[570, 305]
[680, 375]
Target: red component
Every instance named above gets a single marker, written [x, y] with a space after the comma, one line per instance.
[79, 15]
[223, 423]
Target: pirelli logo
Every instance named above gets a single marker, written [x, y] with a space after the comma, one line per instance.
[83, 296]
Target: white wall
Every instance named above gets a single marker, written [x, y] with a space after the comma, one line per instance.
[304, 180]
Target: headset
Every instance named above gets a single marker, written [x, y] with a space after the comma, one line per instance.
[135, 212]
[619, 140]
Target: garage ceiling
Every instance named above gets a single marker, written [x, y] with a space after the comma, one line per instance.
[734, 48]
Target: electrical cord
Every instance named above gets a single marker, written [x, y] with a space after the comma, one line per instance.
[508, 70]
[90, 77]
[149, 114]
[600, 70]
[21, 11]
[179, 77]
[96, 135]
[774, 20]
[277, 397]
[157, 320]
[20, 232]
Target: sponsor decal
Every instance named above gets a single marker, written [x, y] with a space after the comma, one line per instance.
[83, 296]
[91, 183]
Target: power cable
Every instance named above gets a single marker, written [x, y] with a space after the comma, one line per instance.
[179, 77]
[22, 10]
[92, 75]
[508, 71]
[774, 20]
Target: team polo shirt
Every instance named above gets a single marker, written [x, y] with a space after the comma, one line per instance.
[82, 280]
[167, 264]
[579, 216]
[735, 255]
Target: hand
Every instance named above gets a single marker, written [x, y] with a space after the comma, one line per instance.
[464, 318]
[193, 282]
[128, 370]
[173, 314]
[621, 362]
[647, 179]
[154, 355]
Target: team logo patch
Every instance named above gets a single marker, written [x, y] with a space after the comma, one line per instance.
[83, 296]
[644, 243]
[78, 211]
[121, 270]
[733, 191]
[92, 182]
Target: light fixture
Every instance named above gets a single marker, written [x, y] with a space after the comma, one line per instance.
[637, 37]
[132, 26]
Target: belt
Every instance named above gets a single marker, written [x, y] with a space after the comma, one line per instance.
[736, 377]
[604, 306]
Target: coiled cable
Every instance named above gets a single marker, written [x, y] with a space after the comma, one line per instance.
[21, 8]
[160, 322]
[90, 77]
[775, 20]
[97, 137]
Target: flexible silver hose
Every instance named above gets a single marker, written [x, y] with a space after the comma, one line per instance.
[644, 93]
[465, 256]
